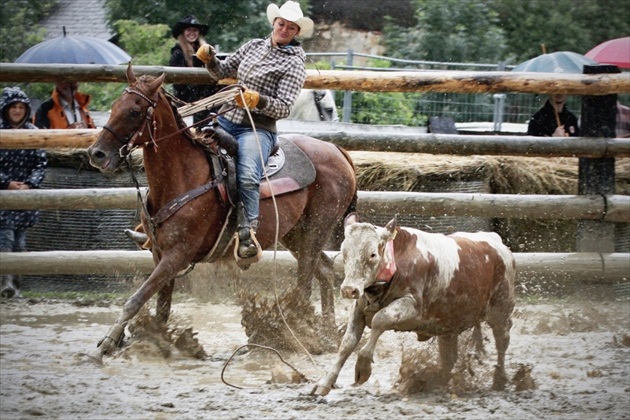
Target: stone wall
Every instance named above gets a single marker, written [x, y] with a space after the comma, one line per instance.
[336, 37]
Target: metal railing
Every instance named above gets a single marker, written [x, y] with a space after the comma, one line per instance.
[495, 108]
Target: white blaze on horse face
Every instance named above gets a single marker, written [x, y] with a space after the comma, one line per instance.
[362, 250]
[444, 251]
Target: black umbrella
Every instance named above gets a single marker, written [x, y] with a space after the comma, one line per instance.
[76, 49]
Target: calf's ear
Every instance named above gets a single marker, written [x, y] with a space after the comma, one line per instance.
[391, 226]
[350, 219]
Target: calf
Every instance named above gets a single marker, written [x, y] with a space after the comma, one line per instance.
[405, 279]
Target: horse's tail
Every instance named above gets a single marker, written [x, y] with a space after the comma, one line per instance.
[338, 232]
[352, 207]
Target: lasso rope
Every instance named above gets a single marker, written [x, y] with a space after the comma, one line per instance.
[223, 96]
[275, 266]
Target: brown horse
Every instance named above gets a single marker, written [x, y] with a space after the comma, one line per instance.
[175, 164]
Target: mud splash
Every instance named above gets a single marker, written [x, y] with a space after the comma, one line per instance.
[566, 359]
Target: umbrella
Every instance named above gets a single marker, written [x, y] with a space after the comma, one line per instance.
[76, 49]
[557, 62]
[615, 51]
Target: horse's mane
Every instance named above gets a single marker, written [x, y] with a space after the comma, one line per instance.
[181, 125]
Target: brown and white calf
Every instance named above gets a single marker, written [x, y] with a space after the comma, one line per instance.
[405, 279]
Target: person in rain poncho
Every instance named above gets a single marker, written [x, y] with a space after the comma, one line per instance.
[20, 169]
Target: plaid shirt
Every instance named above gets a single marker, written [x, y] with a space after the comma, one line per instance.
[276, 73]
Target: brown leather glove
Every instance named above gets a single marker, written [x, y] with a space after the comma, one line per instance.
[251, 99]
[206, 53]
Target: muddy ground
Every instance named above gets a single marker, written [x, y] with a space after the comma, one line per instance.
[576, 349]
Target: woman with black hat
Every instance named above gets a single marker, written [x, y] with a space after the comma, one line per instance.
[189, 34]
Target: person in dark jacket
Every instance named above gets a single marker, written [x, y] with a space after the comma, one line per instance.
[554, 120]
[19, 170]
[189, 34]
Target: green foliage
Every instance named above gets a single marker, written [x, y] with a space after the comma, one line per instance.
[146, 44]
[231, 22]
[386, 108]
[318, 65]
[19, 29]
[449, 31]
[562, 25]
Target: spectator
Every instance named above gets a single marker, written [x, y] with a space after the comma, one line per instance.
[66, 108]
[623, 121]
[273, 71]
[189, 34]
[19, 170]
[554, 119]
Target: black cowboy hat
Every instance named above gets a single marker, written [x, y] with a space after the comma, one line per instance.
[188, 22]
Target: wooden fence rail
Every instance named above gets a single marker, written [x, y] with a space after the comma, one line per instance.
[581, 266]
[608, 208]
[464, 145]
[447, 81]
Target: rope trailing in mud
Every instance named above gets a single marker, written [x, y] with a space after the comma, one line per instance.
[223, 96]
[302, 376]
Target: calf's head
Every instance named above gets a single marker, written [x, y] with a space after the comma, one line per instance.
[368, 255]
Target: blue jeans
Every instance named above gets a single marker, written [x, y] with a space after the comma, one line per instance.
[12, 240]
[249, 164]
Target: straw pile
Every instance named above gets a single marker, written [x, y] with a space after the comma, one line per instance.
[378, 171]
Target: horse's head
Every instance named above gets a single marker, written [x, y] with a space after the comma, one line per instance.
[130, 121]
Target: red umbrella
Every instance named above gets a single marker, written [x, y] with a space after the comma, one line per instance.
[615, 51]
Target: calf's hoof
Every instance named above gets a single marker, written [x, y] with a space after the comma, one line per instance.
[321, 390]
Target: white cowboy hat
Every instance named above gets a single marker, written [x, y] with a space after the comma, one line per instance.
[291, 11]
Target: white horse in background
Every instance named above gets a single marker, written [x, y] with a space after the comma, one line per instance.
[314, 105]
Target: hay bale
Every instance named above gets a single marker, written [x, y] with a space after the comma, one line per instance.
[392, 171]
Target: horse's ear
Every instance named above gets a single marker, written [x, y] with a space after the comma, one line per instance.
[155, 85]
[131, 77]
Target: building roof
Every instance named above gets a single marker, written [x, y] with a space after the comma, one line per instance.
[80, 17]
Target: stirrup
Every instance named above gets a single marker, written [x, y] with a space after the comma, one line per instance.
[245, 262]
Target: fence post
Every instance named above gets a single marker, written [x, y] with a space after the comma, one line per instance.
[597, 176]
[347, 95]
[499, 104]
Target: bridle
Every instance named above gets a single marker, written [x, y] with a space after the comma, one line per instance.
[147, 121]
[319, 97]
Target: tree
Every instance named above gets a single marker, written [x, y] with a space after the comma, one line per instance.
[19, 29]
[232, 22]
[449, 31]
[562, 25]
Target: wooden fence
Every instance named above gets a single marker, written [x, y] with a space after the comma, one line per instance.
[602, 208]
[577, 266]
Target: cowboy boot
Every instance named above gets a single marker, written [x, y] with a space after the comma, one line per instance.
[247, 245]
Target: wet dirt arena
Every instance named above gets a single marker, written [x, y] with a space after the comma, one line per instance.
[573, 354]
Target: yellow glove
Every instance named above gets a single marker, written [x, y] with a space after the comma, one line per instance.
[251, 99]
[206, 53]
